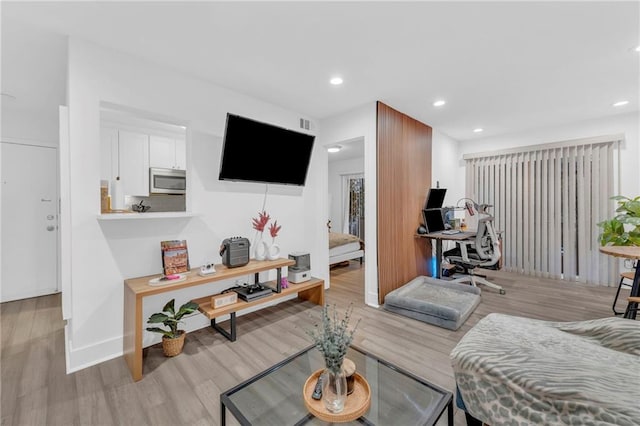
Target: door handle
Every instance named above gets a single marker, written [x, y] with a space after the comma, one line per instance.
[45, 200]
[51, 228]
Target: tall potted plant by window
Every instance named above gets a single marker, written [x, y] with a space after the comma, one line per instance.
[173, 338]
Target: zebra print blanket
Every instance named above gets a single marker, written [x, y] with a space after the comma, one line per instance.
[519, 371]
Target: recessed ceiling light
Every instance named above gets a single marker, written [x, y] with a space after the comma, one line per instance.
[620, 103]
[478, 130]
[335, 148]
[637, 49]
[439, 103]
[336, 81]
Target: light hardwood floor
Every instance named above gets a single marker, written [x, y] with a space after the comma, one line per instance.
[185, 390]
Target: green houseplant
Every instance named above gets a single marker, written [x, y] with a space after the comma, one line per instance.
[624, 228]
[173, 338]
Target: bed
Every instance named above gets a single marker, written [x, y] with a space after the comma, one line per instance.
[513, 370]
[344, 247]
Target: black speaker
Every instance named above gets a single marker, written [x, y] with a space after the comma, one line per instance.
[235, 252]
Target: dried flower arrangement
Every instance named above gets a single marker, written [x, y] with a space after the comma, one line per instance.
[261, 221]
[274, 228]
[334, 337]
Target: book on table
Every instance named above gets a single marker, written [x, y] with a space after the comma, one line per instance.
[175, 256]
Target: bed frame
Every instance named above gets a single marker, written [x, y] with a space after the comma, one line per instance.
[346, 256]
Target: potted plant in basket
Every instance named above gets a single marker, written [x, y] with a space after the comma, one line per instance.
[332, 339]
[172, 339]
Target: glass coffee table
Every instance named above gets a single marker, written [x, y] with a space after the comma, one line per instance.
[274, 397]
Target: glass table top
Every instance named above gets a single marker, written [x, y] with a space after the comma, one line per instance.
[274, 397]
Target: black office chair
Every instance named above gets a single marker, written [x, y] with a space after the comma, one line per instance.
[481, 252]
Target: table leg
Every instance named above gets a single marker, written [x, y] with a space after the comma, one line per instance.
[438, 271]
[635, 292]
[132, 338]
[450, 413]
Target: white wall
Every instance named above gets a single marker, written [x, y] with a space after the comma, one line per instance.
[445, 167]
[336, 170]
[104, 253]
[627, 124]
[30, 127]
[355, 124]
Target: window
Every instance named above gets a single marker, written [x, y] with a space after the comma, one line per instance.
[547, 201]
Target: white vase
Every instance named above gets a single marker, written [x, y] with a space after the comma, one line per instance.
[273, 252]
[260, 249]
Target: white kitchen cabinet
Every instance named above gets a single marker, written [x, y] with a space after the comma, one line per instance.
[125, 154]
[133, 162]
[167, 152]
[181, 154]
[108, 153]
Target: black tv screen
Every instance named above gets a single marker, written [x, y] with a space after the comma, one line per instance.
[258, 152]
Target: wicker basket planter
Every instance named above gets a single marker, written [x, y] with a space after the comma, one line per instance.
[173, 347]
[172, 339]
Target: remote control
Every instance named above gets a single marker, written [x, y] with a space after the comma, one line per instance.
[317, 391]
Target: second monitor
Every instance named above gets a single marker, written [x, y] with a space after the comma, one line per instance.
[435, 198]
[433, 220]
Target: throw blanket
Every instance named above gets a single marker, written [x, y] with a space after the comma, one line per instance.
[519, 371]
[336, 239]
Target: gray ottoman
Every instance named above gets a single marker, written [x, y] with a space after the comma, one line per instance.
[434, 301]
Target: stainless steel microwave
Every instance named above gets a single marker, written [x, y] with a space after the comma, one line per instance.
[167, 181]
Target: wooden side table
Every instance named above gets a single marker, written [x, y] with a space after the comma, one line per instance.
[628, 252]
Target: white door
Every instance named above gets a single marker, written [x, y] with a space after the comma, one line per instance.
[29, 224]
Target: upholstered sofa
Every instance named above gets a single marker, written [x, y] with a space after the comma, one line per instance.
[511, 370]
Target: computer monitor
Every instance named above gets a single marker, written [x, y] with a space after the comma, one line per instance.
[433, 220]
[435, 198]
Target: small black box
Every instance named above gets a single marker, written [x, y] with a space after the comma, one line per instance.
[235, 252]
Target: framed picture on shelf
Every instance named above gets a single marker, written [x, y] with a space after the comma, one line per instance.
[175, 256]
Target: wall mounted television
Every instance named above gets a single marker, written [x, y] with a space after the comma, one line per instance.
[253, 151]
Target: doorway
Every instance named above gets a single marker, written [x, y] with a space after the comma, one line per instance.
[346, 212]
[29, 222]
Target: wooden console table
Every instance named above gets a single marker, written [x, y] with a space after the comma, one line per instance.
[136, 289]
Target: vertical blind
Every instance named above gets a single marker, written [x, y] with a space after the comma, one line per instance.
[547, 201]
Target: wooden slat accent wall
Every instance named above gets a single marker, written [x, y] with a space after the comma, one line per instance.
[404, 178]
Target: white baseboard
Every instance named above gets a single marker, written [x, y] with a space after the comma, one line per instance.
[87, 356]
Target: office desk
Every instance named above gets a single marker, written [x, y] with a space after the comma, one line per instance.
[627, 252]
[439, 237]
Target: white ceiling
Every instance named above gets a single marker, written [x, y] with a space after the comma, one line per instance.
[502, 66]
